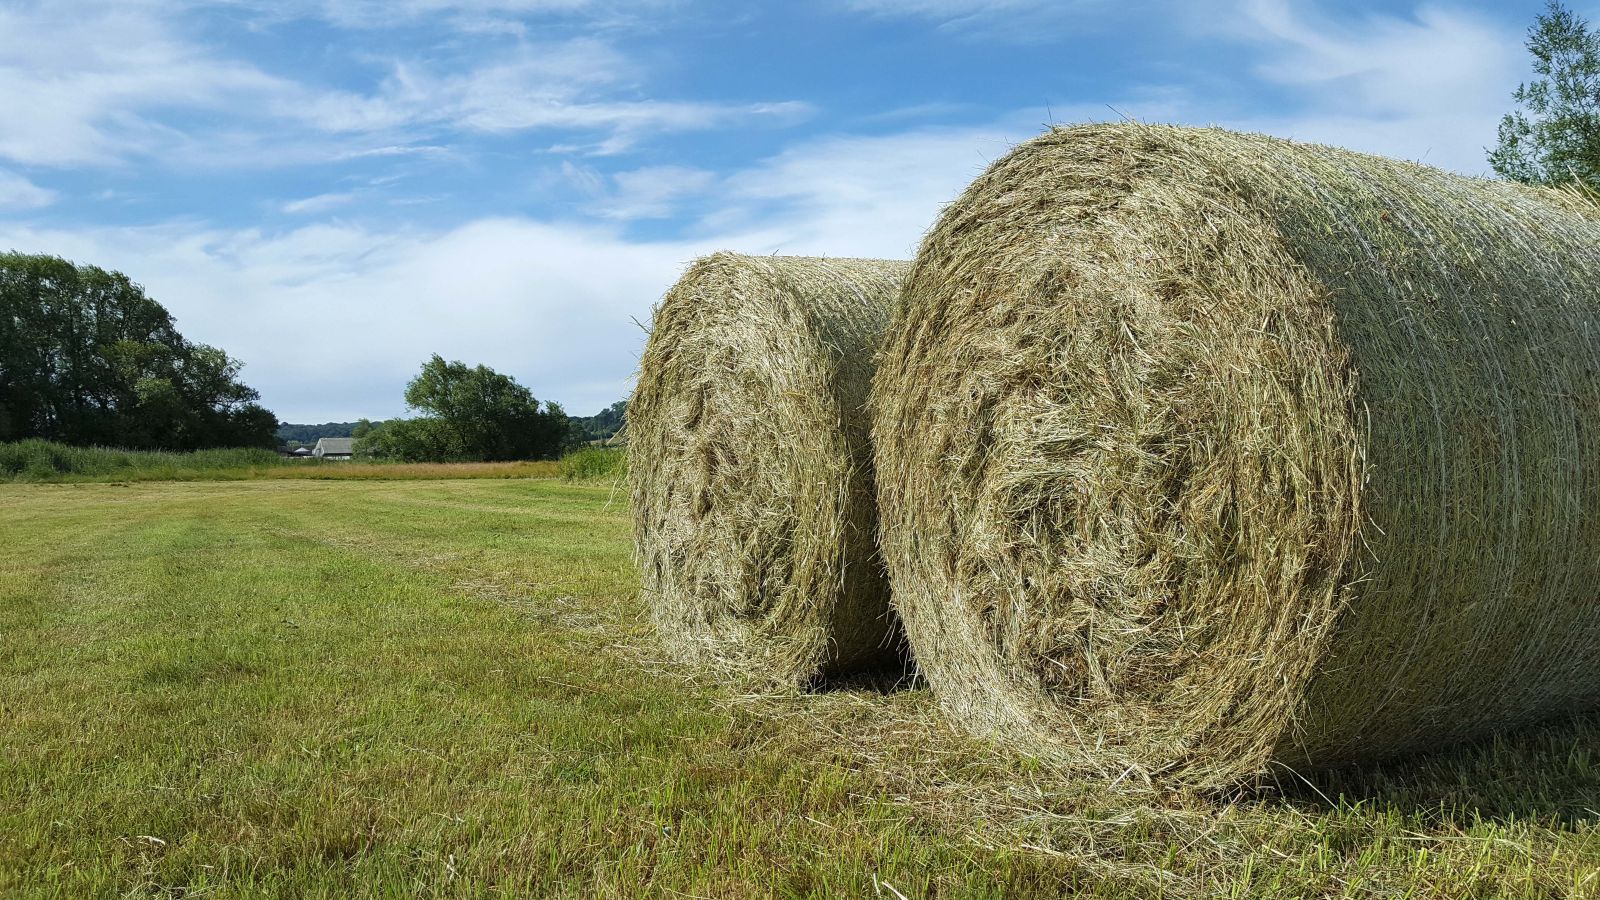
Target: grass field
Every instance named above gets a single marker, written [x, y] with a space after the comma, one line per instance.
[444, 688]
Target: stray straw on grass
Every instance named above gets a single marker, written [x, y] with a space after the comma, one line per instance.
[750, 468]
[1202, 453]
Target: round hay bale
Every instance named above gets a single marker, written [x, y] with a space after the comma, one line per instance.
[751, 473]
[1201, 453]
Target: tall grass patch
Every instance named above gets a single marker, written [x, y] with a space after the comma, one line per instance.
[45, 461]
[595, 464]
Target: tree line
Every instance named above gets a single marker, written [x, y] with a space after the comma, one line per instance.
[292, 435]
[601, 426]
[86, 357]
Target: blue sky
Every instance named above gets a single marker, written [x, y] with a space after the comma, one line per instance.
[332, 190]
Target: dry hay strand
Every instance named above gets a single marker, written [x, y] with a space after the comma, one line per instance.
[750, 469]
[1203, 453]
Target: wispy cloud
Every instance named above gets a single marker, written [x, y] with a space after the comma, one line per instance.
[1013, 20]
[99, 83]
[1429, 86]
[1386, 64]
[654, 192]
[79, 88]
[471, 15]
[397, 150]
[552, 305]
[319, 204]
[18, 193]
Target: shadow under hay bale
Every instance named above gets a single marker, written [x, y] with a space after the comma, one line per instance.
[1201, 453]
[750, 469]
[890, 673]
[1547, 774]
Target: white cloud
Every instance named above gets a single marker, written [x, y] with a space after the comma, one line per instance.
[332, 319]
[960, 11]
[497, 94]
[877, 195]
[398, 150]
[1023, 21]
[653, 192]
[18, 193]
[1431, 86]
[100, 82]
[1383, 63]
[78, 88]
[947, 10]
[856, 196]
[468, 15]
[375, 12]
[319, 204]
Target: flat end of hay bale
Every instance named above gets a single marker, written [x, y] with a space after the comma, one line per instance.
[751, 474]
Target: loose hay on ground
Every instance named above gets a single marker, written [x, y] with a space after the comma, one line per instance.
[750, 469]
[1201, 453]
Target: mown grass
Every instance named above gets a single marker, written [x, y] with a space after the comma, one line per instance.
[444, 688]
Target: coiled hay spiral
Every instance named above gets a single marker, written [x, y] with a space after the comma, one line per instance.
[751, 474]
[1201, 453]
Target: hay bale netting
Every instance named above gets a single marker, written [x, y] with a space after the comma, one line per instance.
[1201, 452]
[751, 474]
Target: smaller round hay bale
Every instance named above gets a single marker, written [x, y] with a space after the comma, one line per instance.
[750, 471]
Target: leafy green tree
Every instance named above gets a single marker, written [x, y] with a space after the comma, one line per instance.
[470, 413]
[413, 440]
[1553, 137]
[87, 358]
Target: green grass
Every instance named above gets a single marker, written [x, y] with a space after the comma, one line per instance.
[444, 688]
[595, 464]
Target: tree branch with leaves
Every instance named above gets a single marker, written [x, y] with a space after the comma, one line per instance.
[1553, 137]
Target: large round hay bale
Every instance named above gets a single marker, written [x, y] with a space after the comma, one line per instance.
[1202, 452]
[751, 473]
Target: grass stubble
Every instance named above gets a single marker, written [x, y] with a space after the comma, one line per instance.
[449, 688]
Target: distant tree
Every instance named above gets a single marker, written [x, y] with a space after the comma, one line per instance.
[1553, 137]
[413, 440]
[470, 413]
[600, 426]
[87, 358]
[290, 433]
